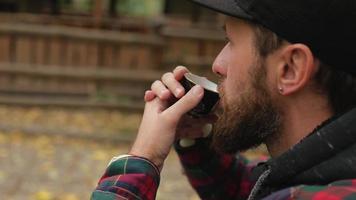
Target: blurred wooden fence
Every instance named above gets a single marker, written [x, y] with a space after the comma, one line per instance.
[61, 65]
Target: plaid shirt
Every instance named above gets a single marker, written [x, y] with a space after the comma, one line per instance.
[213, 176]
[128, 177]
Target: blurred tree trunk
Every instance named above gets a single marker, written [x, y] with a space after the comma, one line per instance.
[98, 12]
[112, 8]
[55, 7]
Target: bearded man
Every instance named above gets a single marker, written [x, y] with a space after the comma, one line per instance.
[287, 80]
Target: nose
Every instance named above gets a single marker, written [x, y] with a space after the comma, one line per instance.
[221, 62]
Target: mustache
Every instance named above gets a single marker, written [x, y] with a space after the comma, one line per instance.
[220, 88]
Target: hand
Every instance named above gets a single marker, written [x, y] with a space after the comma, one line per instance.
[169, 88]
[157, 131]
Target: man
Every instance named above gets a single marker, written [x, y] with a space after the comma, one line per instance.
[287, 80]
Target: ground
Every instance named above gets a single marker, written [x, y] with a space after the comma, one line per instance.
[55, 167]
[46, 168]
[60, 154]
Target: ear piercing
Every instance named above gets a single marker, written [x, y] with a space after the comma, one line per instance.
[280, 89]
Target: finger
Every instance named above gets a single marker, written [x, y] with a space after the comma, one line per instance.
[160, 90]
[207, 128]
[156, 105]
[186, 142]
[173, 85]
[186, 103]
[149, 95]
[179, 72]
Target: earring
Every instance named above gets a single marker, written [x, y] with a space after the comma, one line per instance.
[280, 89]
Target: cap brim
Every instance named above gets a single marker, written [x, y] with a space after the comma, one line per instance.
[227, 7]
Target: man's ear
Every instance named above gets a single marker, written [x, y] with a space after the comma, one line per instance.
[297, 69]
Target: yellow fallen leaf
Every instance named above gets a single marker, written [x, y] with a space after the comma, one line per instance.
[43, 195]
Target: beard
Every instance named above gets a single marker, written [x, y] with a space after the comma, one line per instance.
[248, 120]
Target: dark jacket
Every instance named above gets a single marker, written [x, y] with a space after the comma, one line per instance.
[327, 155]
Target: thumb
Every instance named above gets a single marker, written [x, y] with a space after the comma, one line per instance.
[187, 102]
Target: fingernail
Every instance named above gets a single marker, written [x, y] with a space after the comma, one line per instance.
[197, 90]
[185, 142]
[207, 130]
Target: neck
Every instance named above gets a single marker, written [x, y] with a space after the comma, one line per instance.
[299, 120]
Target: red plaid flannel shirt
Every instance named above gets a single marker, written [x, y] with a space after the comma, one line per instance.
[214, 177]
[128, 177]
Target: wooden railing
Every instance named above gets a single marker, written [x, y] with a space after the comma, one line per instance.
[64, 46]
[72, 86]
[58, 65]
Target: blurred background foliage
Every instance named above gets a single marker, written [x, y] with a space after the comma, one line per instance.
[125, 7]
[140, 8]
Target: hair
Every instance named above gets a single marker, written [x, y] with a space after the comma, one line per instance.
[338, 86]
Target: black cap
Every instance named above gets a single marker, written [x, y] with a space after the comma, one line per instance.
[328, 27]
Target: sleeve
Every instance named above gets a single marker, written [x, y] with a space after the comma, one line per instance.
[214, 175]
[128, 177]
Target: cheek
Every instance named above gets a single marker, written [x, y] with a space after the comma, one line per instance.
[233, 87]
[237, 78]
[240, 60]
